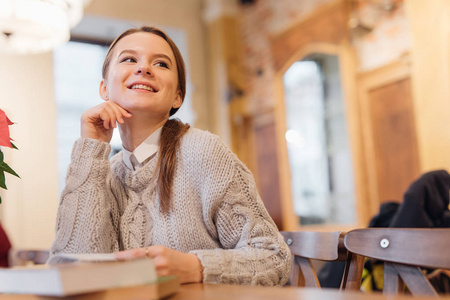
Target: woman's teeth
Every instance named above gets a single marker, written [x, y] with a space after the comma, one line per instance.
[142, 87]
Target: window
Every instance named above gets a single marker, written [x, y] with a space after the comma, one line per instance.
[317, 142]
[77, 75]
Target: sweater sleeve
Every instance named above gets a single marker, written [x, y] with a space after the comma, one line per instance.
[87, 214]
[253, 251]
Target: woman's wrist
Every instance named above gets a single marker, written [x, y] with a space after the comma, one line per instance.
[201, 273]
[197, 274]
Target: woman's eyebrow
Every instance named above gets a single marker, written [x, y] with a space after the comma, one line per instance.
[127, 51]
[161, 55]
[134, 52]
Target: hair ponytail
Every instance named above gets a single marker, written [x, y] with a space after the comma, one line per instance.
[169, 142]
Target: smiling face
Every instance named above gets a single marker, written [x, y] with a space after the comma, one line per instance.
[142, 76]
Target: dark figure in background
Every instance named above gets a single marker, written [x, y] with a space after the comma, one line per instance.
[426, 202]
[425, 205]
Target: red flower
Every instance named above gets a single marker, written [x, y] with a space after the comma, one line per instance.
[5, 139]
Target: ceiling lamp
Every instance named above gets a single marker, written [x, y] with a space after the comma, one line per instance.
[34, 26]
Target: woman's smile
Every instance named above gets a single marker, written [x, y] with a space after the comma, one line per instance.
[141, 87]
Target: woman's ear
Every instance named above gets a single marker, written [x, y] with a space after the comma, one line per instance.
[178, 101]
[103, 90]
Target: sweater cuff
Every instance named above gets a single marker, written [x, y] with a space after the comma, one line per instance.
[89, 159]
[92, 148]
[212, 265]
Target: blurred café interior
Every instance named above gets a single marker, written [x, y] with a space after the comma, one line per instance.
[336, 106]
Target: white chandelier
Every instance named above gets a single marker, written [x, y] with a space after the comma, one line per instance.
[33, 26]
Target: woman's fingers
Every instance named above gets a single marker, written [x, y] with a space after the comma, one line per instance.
[109, 116]
[161, 264]
[157, 250]
[130, 254]
[124, 112]
[99, 121]
[118, 112]
[109, 112]
[168, 262]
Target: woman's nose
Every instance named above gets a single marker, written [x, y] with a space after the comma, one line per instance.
[143, 69]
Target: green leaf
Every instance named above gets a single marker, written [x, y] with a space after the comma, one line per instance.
[14, 146]
[2, 180]
[1, 156]
[0, 200]
[4, 166]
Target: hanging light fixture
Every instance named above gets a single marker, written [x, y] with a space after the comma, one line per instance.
[34, 26]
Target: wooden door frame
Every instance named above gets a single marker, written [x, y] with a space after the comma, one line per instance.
[347, 69]
[287, 49]
[367, 81]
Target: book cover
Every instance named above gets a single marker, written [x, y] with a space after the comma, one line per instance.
[77, 278]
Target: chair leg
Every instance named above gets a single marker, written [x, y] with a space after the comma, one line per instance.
[392, 284]
[307, 273]
[415, 280]
[351, 280]
[294, 276]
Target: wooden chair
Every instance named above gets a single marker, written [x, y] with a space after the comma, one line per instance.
[404, 251]
[26, 257]
[323, 246]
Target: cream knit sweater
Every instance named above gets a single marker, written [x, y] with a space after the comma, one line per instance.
[216, 212]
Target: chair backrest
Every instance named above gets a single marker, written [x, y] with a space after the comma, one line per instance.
[34, 257]
[307, 245]
[404, 251]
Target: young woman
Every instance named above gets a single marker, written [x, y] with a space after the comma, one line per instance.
[175, 194]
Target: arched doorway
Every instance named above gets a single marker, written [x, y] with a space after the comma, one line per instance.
[317, 141]
[326, 33]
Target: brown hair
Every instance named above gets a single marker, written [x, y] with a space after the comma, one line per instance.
[172, 130]
[169, 142]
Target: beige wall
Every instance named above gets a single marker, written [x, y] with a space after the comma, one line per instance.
[430, 26]
[28, 211]
[26, 94]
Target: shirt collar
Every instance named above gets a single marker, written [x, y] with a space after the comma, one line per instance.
[147, 148]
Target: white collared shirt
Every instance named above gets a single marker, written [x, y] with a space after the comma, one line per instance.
[134, 160]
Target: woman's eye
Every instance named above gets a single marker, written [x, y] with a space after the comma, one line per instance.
[128, 59]
[162, 64]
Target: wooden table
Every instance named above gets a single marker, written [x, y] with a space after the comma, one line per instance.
[234, 292]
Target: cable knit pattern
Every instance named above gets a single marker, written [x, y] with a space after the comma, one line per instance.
[216, 211]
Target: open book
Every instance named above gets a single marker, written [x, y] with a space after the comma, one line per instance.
[80, 258]
[74, 274]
